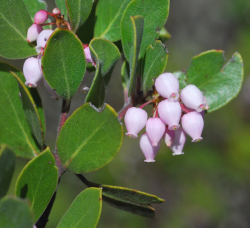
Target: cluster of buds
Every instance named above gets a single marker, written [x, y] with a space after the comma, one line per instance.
[187, 107]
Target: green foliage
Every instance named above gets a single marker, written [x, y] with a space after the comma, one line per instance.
[105, 62]
[34, 6]
[109, 14]
[220, 84]
[89, 139]
[164, 35]
[85, 211]
[15, 24]
[125, 75]
[64, 63]
[61, 4]
[7, 167]
[155, 62]
[37, 181]
[15, 212]
[15, 131]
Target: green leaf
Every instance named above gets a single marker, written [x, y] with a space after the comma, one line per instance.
[142, 210]
[155, 62]
[180, 75]
[129, 195]
[164, 35]
[31, 112]
[61, 4]
[109, 18]
[34, 6]
[15, 131]
[131, 42]
[64, 62]
[219, 84]
[125, 75]
[15, 213]
[89, 139]
[7, 167]
[105, 62]
[37, 181]
[155, 14]
[85, 210]
[15, 24]
[78, 12]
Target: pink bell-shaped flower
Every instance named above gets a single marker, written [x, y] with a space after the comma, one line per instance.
[42, 40]
[135, 120]
[193, 98]
[179, 142]
[33, 32]
[170, 113]
[56, 11]
[32, 72]
[53, 94]
[88, 56]
[193, 124]
[40, 17]
[167, 85]
[169, 137]
[148, 150]
[155, 129]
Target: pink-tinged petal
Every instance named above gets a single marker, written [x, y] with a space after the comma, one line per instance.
[169, 137]
[42, 39]
[56, 11]
[32, 72]
[53, 94]
[148, 150]
[193, 98]
[135, 120]
[33, 32]
[88, 56]
[170, 113]
[193, 124]
[167, 85]
[155, 129]
[179, 142]
[40, 17]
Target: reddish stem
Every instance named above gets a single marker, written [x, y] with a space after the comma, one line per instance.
[184, 108]
[52, 23]
[148, 102]
[123, 111]
[156, 113]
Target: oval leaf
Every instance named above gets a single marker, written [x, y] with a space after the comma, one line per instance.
[61, 4]
[64, 62]
[155, 62]
[37, 181]
[15, 212]
[89, 139]
[7, 167]
[109, 18]
[15, 24]
[15, 131]
[78, 12]
[155, 14]
[105, 62]
[219, 84]
[85, 211]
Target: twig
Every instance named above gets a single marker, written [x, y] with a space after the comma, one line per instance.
[86, 182]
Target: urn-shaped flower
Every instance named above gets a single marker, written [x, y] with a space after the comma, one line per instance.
[179, 142]
[155, 129]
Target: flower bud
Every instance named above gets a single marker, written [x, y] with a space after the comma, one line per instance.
[148, 150]
[179, 142]
[88, 56]
[53, 94]
[135, 120]
[170, 113]
[42, 39]
[193, 98]
[193, 124]
[41, 17]
[32, 72]
[167, 85]
[33, 32]
[155, 129]
[56, 11]
[169, 137]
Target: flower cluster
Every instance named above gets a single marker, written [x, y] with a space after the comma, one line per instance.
[173, 107]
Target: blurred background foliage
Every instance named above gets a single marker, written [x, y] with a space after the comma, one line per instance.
[207, 187]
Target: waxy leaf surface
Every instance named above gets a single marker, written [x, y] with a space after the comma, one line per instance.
[108, 18]
[61, 4]
[155, 62]
[105, 62]
[15, 213]
[89, 139]
[64, 63]
[37, 182]
[78, 12]
[14, 129]
[155, 14]
[7, 167]
[219, 83]
[85, 210]
[15, 21]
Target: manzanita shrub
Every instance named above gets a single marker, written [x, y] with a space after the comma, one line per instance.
[60, 46]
